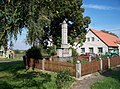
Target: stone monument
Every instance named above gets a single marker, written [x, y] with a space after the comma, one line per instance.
[64, 51]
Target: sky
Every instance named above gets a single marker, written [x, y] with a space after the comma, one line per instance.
[104, 14]
[20, 43]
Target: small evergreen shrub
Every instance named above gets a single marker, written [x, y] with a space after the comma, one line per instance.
[62, 79]
[51, 51]
[74, 52]
[34, 52]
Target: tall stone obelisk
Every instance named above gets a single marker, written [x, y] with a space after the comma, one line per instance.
[64, 35]
[64, 51]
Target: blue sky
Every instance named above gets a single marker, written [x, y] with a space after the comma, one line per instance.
[20, 44]
[104, 14]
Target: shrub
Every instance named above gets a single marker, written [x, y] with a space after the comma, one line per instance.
[19, 51]
[51, 50]
[62, 79]
[74, 52]
[34, 52]
[5, 85]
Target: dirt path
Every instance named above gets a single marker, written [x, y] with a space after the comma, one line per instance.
[86, 81]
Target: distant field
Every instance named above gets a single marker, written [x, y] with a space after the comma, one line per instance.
[111, 81]
[16, 57]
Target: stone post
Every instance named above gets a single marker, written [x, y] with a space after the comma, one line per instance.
[78, 69]
[108, 62]
[43, 64]
[101, 65]
[90, 58]
[50, 58]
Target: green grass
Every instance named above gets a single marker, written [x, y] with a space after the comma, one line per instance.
[16, 57]
[111, 81]
[14, 76]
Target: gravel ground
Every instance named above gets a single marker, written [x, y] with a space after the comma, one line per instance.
[86, 81]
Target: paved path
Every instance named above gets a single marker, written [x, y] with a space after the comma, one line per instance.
[86, 81]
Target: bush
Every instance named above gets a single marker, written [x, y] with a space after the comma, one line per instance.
[19, 51]
[34, 52]
[74, 52]
[51, 51]
[62, 79]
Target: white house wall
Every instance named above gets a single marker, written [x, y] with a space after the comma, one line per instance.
[92, 44]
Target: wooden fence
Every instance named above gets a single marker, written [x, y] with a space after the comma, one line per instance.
[56, 66]
[115, 61]
[90, 67]
[53, 66]
[86, 68]
[95, 66]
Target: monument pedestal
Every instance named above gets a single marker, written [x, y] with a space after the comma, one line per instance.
[64, 52]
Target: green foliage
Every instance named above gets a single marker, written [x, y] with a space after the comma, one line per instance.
[5, 85]
[34, 52]
[72, 12]
[62, 79]
[19, 51]
[51, 50]
[9, 22]
[43, 18]
[74, 52]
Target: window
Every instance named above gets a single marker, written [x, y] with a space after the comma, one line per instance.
[100, 50]
[88, 39]
[82, 50]
[91, 50]
[93, 39]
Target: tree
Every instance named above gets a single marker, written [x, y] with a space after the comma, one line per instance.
[43, 18]
[9, 18]
[71, 11]
[35, 16]
[50, 13]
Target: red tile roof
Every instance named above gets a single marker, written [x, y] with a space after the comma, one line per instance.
[108, 39]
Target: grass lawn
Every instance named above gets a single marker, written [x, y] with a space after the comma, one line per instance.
[14, 76]
[16, 57]
[111, 81]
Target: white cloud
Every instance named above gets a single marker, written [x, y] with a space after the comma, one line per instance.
[99, 7]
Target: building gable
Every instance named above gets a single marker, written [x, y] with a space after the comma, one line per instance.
[107, 38]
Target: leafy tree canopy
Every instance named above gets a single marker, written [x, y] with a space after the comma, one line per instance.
[43, 19]
[9, 21]
[47, 22]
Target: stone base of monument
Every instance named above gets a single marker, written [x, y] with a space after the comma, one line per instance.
[64, 54]
[65, 59]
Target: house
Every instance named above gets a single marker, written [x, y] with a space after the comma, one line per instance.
[99, 42]
[6, 54]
